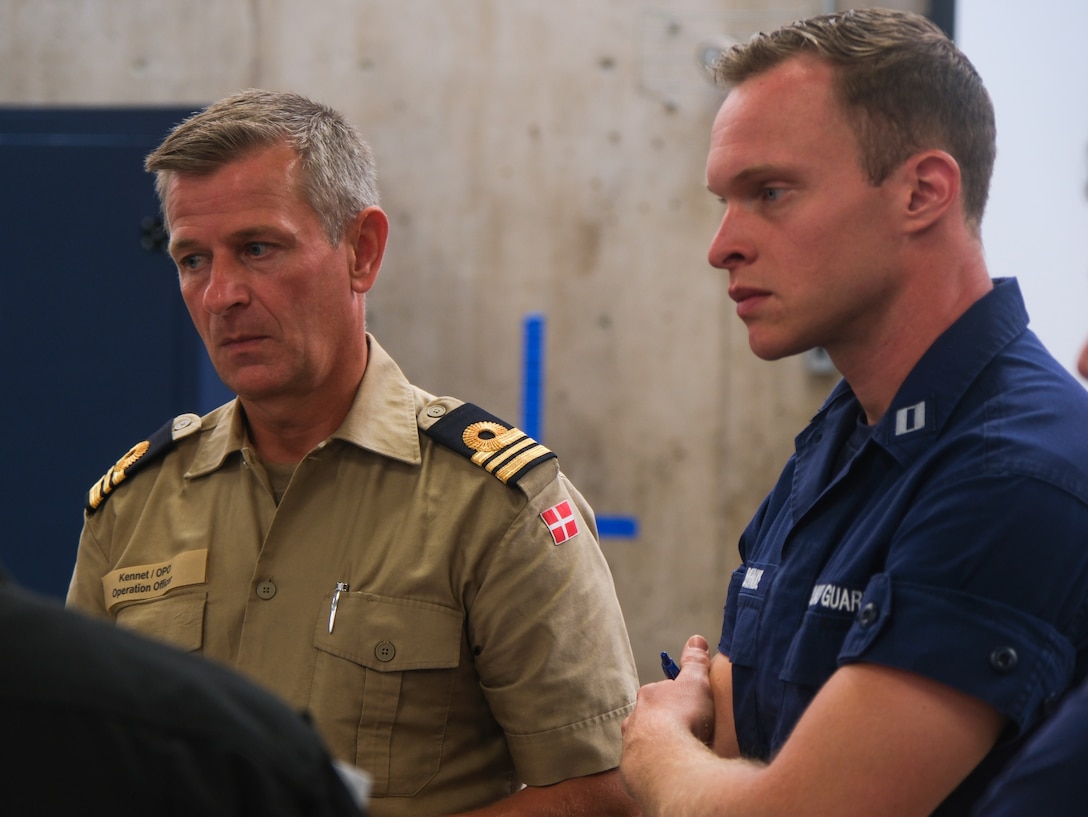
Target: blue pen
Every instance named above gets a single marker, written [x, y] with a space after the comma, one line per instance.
[669, 666]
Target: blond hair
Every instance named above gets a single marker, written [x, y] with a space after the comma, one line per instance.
[902, 83]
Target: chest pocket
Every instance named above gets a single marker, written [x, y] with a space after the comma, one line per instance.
[748, 588]
[177, 620]
[814, 652]
[383, 683]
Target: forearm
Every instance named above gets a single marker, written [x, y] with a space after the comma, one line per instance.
[670, 772]
[874, 741]
[598, 795]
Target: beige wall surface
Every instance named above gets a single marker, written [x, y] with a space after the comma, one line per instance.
[535, 156]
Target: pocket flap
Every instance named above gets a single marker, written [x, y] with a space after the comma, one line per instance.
[177, 620]
[391, 635]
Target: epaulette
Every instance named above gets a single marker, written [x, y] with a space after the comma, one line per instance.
[499, 448]
[140, 455]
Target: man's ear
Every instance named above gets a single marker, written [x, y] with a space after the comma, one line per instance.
[933, 188]
[366, 237]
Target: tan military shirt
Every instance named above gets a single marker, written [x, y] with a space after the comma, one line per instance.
[478, 644]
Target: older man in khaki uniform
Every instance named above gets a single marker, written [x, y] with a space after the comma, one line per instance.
[412, 571]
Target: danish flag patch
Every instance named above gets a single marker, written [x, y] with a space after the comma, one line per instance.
[561, 522]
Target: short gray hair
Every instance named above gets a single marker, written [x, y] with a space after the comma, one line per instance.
[338, 174]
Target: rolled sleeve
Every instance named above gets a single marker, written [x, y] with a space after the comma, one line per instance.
[575, 750]
[553, 653]
[1011, 660]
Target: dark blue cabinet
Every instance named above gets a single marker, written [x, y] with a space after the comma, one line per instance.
[98, 349]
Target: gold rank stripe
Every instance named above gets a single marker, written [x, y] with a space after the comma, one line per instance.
[506, 463]
[116, 475]
[521, 461]
[506, 452]
[491, 458]
[138, 456]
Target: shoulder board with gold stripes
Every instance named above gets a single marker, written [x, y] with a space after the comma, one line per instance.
[499, 448]
[140, 455]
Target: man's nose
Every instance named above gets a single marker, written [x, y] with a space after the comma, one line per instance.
[226, 286]
[730, 247]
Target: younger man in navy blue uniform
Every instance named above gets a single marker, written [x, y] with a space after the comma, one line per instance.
[912, 599]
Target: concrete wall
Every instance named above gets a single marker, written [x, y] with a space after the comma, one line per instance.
[534, 156]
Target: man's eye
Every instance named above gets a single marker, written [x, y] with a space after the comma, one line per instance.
[256, 249]
[190, 262]
[772, 193]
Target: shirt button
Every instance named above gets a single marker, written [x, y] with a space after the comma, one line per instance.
[436, 411]
[385, 651]
[1004, 659]
[868, 615]
[266, 590]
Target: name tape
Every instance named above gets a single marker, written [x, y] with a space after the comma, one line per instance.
[139, 582]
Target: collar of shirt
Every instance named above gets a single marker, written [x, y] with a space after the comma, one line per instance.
[939, 380]
[382, 418]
